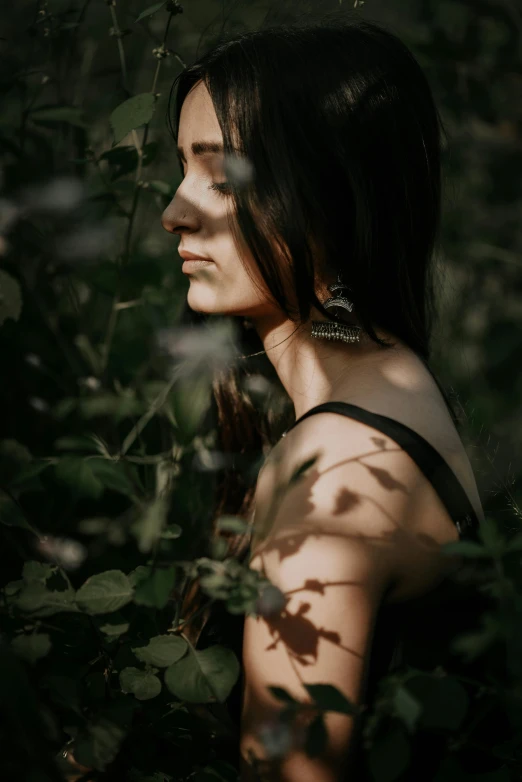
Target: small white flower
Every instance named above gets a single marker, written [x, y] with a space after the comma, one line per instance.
[257, 384]
[208, 461]
[92, 383]
[33, 360]
[212, 345]
[38, 404]
[64, 552]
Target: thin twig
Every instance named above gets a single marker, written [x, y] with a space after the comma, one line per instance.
[140, 147]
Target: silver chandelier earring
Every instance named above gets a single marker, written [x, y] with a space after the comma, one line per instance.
[337, 330]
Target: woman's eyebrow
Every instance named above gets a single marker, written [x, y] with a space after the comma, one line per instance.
[202, 148]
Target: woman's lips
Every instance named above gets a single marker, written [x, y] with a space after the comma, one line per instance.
[191, 265]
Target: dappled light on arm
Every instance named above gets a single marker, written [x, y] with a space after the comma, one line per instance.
[334, 543]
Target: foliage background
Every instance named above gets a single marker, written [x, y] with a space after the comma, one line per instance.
[106, 457]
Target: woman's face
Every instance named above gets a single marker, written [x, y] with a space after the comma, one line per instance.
[198, 213]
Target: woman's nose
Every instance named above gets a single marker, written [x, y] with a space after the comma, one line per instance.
[177, 218]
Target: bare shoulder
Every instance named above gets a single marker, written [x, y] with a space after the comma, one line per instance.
[362, 486]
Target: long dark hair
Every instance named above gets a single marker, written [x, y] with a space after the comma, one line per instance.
[339, 122]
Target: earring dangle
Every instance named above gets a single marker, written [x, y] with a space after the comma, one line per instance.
[337, 330]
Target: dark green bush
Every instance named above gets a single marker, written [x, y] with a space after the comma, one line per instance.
[107, 461]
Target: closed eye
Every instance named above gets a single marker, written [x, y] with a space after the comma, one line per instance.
[221, 187]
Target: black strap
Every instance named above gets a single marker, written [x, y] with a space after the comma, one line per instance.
[429, 460]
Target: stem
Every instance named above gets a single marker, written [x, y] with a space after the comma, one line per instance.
[121, 51]
[196, 613]
[11, 496]
[145, 418]
[124, 258]
[109, 186]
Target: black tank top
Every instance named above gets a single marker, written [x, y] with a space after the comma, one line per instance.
[417, 632]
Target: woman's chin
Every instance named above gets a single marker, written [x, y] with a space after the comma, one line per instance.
[199, 302]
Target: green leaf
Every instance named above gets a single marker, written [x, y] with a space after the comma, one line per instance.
[233, 524]
[27, 478]
[14, 457]
[116, 406]
[465, 548]
[515, 544]
[155, 590]
[71, 114]
[11, 514]
[124, 160]
[76, 443]
[150, 10]
[217, 585]
[162, 650]
[407, 707]
[64, 407]
[172, 532]
[37, 571]
[31, 647]
[13, 587]
[316, 737]
[203, 676]
[113, 475]
[218, 548]
[36, 600]
[148, 527]
[472, 645]
[131, 114]
[105, 592]
[329, 698]
[144, 685]
[77, 474]
[190, 402]
[114, 626]
[389, 755]
[491, 537]
[139, 574]
[99, 745]
[443, 699]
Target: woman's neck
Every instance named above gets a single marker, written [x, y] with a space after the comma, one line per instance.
[313, 370]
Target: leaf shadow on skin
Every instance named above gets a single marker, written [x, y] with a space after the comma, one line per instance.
[294, 629]
[293, 626]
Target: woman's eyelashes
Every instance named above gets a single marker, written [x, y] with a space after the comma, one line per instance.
[221, 187]
[224, 188]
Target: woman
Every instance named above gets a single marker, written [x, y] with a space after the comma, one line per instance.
[338, 143]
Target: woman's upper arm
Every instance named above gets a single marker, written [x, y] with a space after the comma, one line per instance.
[329, 548]
[322, 636]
